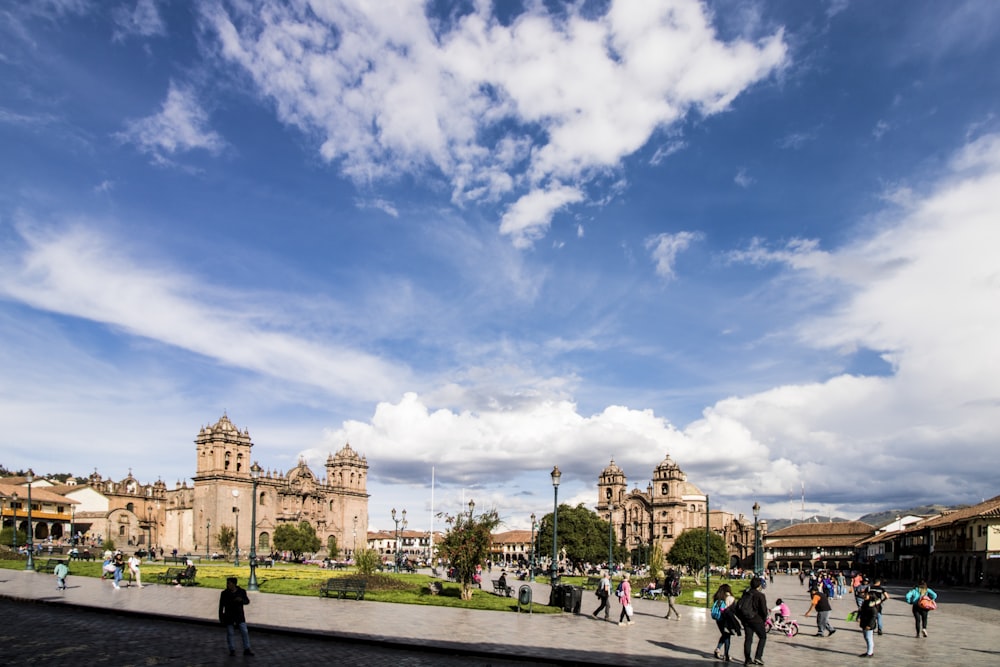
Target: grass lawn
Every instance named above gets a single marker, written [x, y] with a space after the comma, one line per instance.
[293, 579]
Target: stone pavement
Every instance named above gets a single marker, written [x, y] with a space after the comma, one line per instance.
[963, 631]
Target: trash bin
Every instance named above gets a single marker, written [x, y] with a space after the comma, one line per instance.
[573, 599]
[557, 596]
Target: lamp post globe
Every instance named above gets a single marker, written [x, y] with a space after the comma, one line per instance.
[252, 584]
[30, 563]
[556, 475]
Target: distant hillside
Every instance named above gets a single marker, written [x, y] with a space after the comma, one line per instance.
[877, 519]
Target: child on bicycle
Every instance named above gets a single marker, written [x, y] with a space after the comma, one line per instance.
[781, 611]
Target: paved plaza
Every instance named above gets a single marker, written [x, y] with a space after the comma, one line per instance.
[965, 630]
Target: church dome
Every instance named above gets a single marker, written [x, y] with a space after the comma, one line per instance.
[612, 469]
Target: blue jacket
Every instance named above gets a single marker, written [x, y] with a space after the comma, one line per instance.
[915, 594]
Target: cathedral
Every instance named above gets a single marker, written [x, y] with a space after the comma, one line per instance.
[188, 517]
[670, 504]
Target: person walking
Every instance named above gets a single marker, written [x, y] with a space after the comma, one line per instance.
[752, 612]
[878, 597]
[922, 600]
[625, 598]
[603, 592]
[61, 571]
[119, 563]
[672, 589]
[821, 603]
[232, 600]
[722, 613]
[867, 615]
[133, 567]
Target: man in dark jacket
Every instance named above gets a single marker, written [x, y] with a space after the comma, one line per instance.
[752, 614]
[821, 603]
[231, 603]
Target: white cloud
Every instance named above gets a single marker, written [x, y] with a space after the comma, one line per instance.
[180, 126]
[742, 178]
[880, 129]
[143, 20]
[77, 272]
[524, 110]
[664, 248]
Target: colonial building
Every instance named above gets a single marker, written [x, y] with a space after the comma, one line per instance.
[223, 495]
[828, 545]
[51, 513]
[956, 547]
[188, 517]
[669, 506]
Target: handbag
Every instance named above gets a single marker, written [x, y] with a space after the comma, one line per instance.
[628, 610]
[926, 603]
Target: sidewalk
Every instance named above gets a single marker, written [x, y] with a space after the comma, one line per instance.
[962, 631]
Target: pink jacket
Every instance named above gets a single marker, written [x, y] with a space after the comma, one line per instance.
[626, 596]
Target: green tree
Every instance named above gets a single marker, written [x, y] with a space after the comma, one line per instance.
[226, 539]
[467, 544]
[366, 560]
[298, 539]
[7, 537]
[582, 533]
[656, 562]
[689, 550]
[332, 550]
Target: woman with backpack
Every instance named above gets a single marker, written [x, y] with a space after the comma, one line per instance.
[923, 599]
[624, 593]
[722, 613]
[672, 589]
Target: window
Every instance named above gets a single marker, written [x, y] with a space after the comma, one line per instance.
[665, 489]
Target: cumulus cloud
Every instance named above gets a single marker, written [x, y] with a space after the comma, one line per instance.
[180, 126]
[921, 290]
[524, 112]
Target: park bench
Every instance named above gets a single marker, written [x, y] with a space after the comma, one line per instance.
[502, 589]
[265, 562]
[48, 566]
[341, 587]
[178, 574]
[592, 582]
[81, 555]
[179, 560]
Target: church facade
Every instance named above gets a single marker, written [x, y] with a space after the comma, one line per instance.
[189, 516]
[670, 504]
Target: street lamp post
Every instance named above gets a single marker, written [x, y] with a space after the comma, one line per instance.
[354, 546]
[13, 511]
[208, 538]
[531, 563]
[402, 520]
[611, 528]
[757, 565]
[252, 585]
[555, 525]
[72, 523]
[30, 564]
[236, 537]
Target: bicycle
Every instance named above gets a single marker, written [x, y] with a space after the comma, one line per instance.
[788, 626]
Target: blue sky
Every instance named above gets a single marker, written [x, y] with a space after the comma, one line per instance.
[490, 238]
